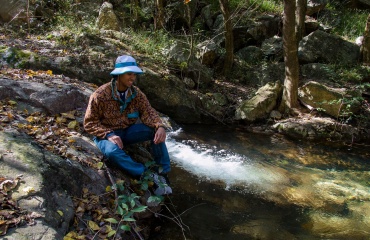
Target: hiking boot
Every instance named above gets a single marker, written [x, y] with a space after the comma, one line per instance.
[161, 184]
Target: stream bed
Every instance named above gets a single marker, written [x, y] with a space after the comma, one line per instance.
[233, 184]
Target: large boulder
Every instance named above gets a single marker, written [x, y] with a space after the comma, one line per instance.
[250, 55]
[261, 104]
[320, 128]
[333, 101]
[265, 26]
[314, 6]
[10, 8]
[47, 185]
[323, 47]
[107, 19]
[208, 52]
[57, 97]
[272, 48]
[318, 72]
[170, 96]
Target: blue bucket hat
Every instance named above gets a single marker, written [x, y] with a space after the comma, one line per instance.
[125, 64]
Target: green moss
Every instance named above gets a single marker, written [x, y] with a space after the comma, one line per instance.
[16, 57]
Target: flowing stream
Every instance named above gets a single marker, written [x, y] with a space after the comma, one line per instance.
[232, 184]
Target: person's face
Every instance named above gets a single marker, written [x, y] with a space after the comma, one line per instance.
[127, 79]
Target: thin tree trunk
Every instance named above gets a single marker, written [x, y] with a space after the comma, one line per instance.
[365, 47]
[301, 18]
[290, 92]
[159, 15]
[229, 39]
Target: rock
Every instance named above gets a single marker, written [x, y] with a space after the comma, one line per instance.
[207, 52]
[206, 16]
[265, 26]
[170, 95]
[275, 71]
[318, 72]
[53, 99]
[107, 19]
[261, 104]
[212, 103]
[319, 128]
[275, 114]
[250, 54]
[272, 48]
[311, 25]
[323, 47]
[53, 180]
[314, 6]
[10, 8]
[334, 101]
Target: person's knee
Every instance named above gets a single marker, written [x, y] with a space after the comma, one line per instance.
[113, 151]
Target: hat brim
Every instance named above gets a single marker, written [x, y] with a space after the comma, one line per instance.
[119, 71]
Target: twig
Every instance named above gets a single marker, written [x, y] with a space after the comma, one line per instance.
[177, 219]
[111, 180]
[134, 229]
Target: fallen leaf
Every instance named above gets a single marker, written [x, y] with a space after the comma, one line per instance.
[72, 124]
[93, 225]
[28, 190]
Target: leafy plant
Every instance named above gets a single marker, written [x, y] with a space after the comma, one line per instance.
[348, 23]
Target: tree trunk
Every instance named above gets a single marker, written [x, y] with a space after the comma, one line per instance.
[301, 18]
[229, 39]
[365, 47]
[159, 14]
[135, 11]
[290, 92]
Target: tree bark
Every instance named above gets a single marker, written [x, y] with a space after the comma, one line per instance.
[159, 14]
[365, 47]
[229, 38]
[290, 92]
[301, 18]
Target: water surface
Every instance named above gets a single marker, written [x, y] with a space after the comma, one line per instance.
[232, 184]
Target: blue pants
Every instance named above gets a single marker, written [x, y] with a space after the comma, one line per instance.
[134, 134]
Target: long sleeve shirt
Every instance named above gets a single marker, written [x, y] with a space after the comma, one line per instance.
[103, 114]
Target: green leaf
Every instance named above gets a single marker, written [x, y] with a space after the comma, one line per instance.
[125, 228]
[149, 163]
[128, 219]
[120, 210]
[111, 233]
[121, 187]
[144, 186]
[132, 203]
[124, 206]
[155, 199]
[139, 209]
[111, 220]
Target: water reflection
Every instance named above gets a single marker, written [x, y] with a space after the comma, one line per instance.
[232, 184]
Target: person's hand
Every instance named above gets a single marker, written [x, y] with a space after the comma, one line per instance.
[160, 135]
[116, 140]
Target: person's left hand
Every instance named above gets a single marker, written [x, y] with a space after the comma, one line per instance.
[160, 135]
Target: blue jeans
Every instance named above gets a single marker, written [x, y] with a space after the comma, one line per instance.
[134, 134]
